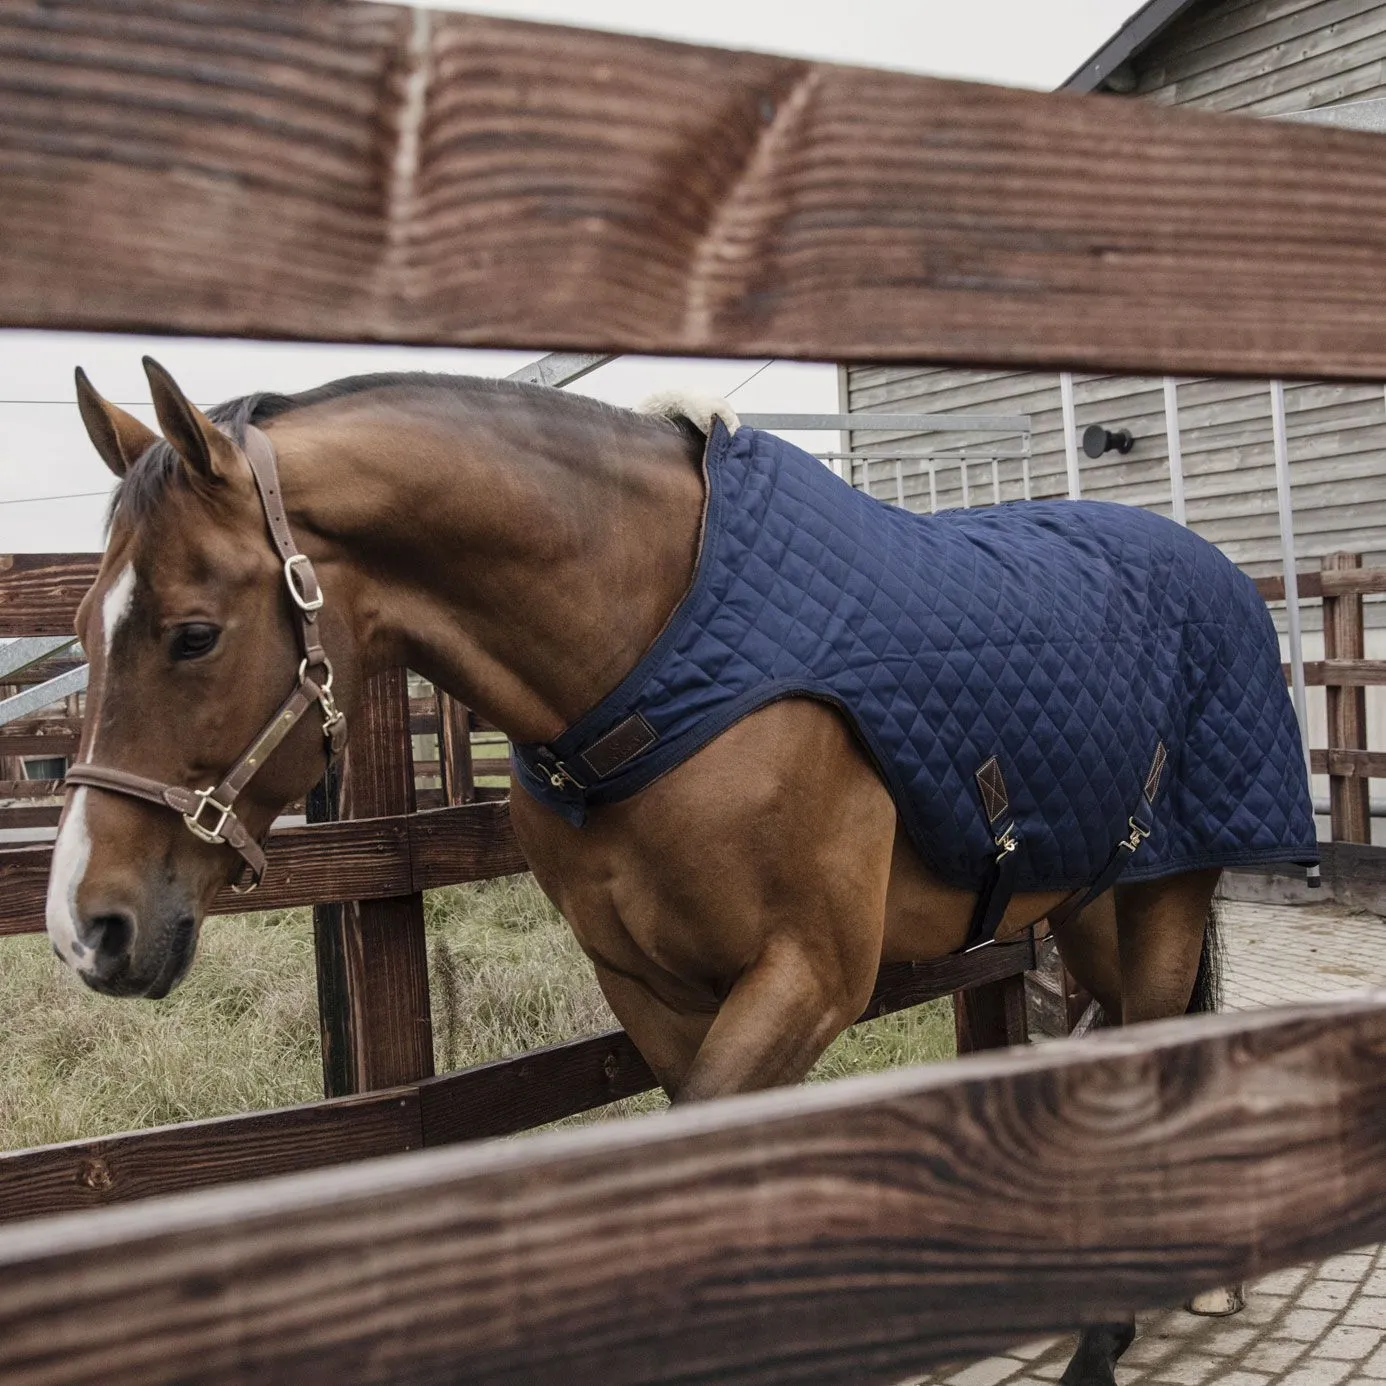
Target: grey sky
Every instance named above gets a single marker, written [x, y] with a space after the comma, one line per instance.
[44, 453]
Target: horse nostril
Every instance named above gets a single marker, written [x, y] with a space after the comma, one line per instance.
[109, 936]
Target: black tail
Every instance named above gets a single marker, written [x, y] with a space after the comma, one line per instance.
[1207, 992]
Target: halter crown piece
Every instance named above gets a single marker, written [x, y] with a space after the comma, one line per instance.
[209, 814]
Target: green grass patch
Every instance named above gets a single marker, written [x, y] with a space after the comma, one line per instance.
[241, 1032]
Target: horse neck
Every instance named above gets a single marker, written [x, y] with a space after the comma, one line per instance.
[523, 564]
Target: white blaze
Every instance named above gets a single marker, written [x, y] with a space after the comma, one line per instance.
[70, 855]
[72, 850]
[115, 605]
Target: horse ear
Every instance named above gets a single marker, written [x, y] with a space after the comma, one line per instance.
[195, 438]
[119, 437]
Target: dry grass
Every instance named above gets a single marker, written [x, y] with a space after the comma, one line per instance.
[241, 1032]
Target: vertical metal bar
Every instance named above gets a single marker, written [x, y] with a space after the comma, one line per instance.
[933, 488]
[962, 466]
[1025, 466]
[900, 482]
[866, 475]
[995, 481]
[1176, 455]
[1287, 559]
[1075, 488]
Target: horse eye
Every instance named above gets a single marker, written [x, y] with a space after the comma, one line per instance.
[193, 641]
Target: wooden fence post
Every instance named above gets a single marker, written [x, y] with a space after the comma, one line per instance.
[991, 1016]
[454, 751]
[372, 955]
[1344, 638]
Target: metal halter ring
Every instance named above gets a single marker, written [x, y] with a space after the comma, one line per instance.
[326, 684]
[193, 819]
[290, 567]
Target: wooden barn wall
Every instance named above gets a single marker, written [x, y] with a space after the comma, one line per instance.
[1268, 57]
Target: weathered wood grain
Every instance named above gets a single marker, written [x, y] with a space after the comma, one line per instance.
[991, 1016]
[1332, 583]
[39, 592]
[455, 751]
[1344, 638]
[851, 1232]
[200, 1154]
[1343, 673]
[462, 180]
[448, 846]
[528, 1090]
[1355, 764]
[499, 1098]
[380, 956]
[41, 736]
[362, 859]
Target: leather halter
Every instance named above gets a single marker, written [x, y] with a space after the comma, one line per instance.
[209, 814]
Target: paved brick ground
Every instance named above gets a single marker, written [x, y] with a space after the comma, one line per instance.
[1314, 1325]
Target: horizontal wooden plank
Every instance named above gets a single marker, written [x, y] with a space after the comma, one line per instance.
[358, 859]
[546, 1085]
[493, 1099]
[30, 789]
[30, 816]
[1342, 673]
[516, 1094]
[39, 592]
[1353, 874]
[37, 744]
[1354, 764]
[500, 184]
[471, 843]
[848, 1232]
[201, 1154]
[1342, 583]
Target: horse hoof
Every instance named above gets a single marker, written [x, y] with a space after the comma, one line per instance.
[1218, 1304]
[1099, 1347]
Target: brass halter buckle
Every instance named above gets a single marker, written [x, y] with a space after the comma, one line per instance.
[194, 823]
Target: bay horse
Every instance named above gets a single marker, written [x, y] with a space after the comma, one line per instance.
[523, 549]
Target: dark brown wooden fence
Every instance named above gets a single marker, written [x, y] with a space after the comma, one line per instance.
[355, 172]
[364, 866]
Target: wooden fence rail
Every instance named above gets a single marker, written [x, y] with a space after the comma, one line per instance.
[493, 1099]
[414, 177]
[852, 1232]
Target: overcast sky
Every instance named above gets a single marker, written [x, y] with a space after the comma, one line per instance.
[44, 453]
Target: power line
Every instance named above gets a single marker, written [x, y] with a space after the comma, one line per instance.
[750, 378]
[71, 495]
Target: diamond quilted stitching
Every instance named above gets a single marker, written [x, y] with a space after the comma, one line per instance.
[1067, 639]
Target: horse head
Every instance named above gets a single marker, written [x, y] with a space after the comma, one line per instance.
[195, 633]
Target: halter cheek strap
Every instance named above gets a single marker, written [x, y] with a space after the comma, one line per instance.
[209, 814]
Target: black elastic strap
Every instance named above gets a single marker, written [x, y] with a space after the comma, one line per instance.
[999, 887]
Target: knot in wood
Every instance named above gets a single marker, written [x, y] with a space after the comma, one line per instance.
[611, 1067]
[96, 1174]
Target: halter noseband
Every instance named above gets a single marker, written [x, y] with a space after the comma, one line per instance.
[210, 814]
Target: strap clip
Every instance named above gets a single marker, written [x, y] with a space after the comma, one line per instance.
[1139, 833]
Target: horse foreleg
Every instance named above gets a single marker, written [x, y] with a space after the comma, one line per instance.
[776, 1020]
[1151, 936]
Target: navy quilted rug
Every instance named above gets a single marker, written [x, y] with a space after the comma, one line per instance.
[1067, 639]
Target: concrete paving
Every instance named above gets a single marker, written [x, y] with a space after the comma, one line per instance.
[1310, 1326]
